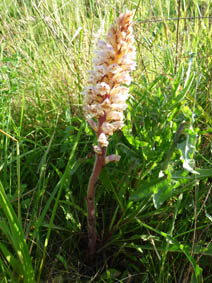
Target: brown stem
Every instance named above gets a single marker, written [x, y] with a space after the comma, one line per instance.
[92, 234]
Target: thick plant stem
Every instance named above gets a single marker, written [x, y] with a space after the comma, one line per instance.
[92, 234]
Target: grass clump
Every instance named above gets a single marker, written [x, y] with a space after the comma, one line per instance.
[154, 206]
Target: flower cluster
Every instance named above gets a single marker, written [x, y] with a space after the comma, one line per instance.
[105, 95]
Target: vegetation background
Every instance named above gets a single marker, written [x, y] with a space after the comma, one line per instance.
[154, 206]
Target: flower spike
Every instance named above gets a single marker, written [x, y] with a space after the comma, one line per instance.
[105, 101]
[105, 97]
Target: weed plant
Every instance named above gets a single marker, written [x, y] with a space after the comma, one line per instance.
[154, 206]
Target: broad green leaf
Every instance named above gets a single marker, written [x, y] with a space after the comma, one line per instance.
[146, 189]
[133, 140]
[160, 188]
[184, 175]
[187, 149]
[164, 192]
[204, 173]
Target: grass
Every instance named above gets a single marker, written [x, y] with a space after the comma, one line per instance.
[154, 206]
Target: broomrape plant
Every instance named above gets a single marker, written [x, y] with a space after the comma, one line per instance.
[105, 101]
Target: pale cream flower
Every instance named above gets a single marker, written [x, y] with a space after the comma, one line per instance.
[92, 124]
[118, 125]
[119, 106]
[119, 98]
[103, 140]
[107, 128]
[106, 104]
[97, 149]
[119, 90]
[113, 157]
[102, 88]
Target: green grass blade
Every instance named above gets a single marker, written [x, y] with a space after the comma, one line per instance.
[18, 238]
[197, 269]
[59, 189]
